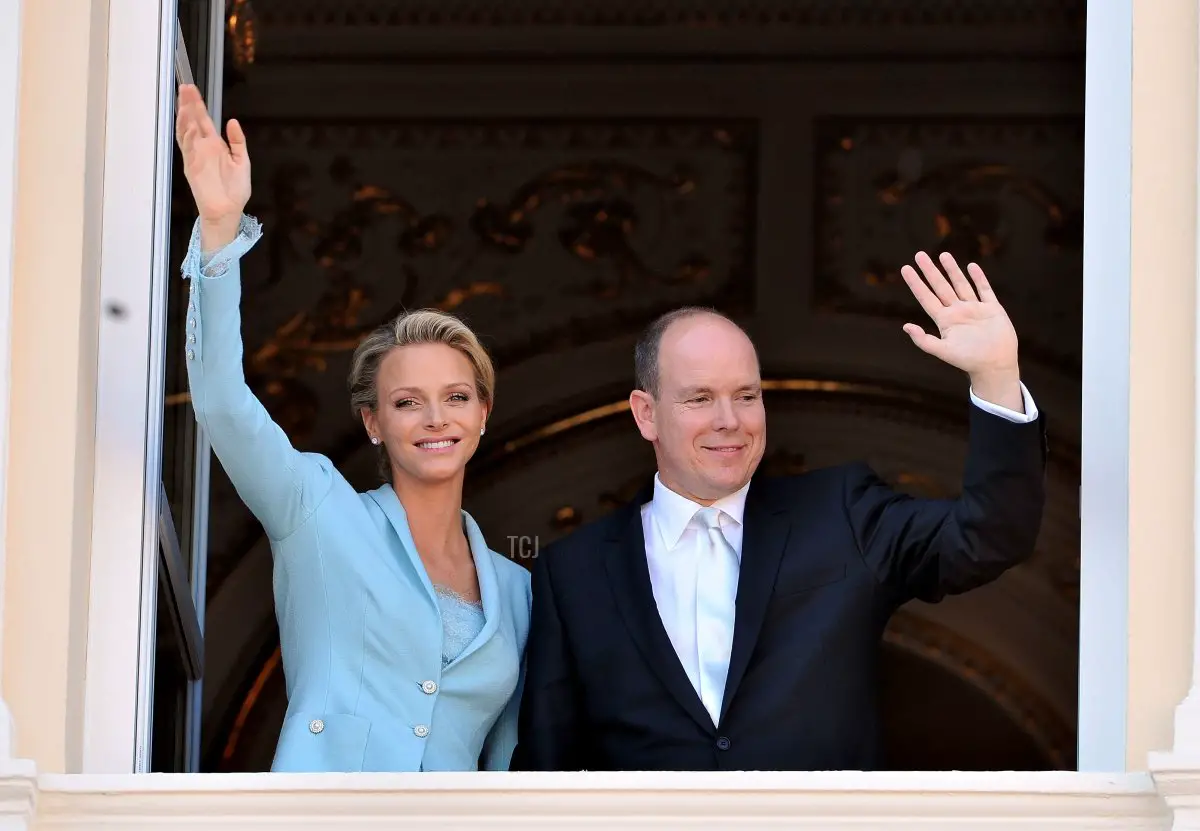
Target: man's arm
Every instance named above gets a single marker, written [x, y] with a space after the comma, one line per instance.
[550, 728]
[927, 548]
[930, 548]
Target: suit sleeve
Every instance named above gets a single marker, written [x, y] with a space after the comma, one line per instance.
[551, 725]
[927, 549]
[280, 485]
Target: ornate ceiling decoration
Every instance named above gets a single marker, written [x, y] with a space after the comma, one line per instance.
[687, 13]
[391, 31]
[1005, 193]
[241, 25]
[545, 236]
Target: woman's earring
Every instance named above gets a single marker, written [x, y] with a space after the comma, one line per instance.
[481, 430]
[374, 439]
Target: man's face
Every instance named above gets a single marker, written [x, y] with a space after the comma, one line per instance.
[708, 424]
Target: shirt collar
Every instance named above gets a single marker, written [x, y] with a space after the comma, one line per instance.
[672, 512]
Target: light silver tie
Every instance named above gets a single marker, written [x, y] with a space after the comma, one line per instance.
[716, 595]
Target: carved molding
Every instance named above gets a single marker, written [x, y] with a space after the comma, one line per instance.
[919, 14]
[301, 32]
[1006, 193]
[545, 235]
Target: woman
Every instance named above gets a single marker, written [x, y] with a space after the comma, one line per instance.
[402, 634]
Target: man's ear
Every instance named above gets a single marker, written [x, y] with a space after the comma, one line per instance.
[641, 404]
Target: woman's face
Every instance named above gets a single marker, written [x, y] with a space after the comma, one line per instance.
[429, 414]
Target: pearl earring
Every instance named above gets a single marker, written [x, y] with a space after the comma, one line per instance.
[374, 439]
[481, 430]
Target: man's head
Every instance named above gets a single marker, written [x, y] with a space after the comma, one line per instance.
[699, 402]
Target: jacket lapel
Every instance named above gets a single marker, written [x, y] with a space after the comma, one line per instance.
[485, 569]
[489, 587]
[389, 503]
[629, 576]
[766, 529]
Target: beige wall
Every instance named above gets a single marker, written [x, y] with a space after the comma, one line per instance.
[60, 164]
[1162, 370]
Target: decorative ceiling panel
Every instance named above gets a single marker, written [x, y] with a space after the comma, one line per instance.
[1006, 193]
[406, 30]
[716, 13]
[543, 235]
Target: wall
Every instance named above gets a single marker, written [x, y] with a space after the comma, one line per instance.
[1162, 370]
[55, 303]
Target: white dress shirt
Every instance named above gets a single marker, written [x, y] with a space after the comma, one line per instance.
[673, 541]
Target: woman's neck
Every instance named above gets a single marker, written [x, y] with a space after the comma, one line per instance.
[434, 517]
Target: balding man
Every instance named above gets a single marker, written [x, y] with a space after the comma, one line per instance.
[727, 621]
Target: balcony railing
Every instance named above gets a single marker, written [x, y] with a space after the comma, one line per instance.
[628, 801]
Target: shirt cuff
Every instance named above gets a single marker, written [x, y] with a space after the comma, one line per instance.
[1030, 414]
[197, 263]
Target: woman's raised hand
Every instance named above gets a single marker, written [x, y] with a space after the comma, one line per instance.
[217, 172]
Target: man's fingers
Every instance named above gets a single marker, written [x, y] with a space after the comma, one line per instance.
[981, 283]
[930, 344]
[929, 302]
[937, 280]
[957, 279]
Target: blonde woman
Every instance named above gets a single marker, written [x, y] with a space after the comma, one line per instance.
[403, 635]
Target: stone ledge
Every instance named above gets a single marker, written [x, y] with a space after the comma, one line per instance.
[231, 802]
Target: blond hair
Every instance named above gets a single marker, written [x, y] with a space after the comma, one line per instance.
[408, 329]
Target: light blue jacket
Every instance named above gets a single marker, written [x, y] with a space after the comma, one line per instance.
[359, 621]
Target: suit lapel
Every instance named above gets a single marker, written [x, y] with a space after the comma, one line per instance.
[766, 528]
[630, 579]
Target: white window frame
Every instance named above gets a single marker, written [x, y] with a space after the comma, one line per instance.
[129, 422]
[129, 396]
[1104, 469]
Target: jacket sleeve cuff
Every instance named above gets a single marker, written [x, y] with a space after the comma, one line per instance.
[197, 264]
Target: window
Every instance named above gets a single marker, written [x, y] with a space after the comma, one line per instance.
[178, 670]
[141, 260]
[154, 600]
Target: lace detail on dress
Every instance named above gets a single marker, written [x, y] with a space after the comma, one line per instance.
[462, 621]
[195, 264]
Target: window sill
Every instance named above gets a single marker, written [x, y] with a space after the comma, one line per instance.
[634, 800]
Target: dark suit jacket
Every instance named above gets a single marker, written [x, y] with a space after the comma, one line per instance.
[827, 557]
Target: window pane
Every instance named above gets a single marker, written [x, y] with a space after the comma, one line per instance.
[179, 424]
[171, 723]
[168, 740]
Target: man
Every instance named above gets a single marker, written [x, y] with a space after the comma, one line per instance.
[725, 621]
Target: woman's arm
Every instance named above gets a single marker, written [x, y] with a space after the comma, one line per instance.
[280, 485]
